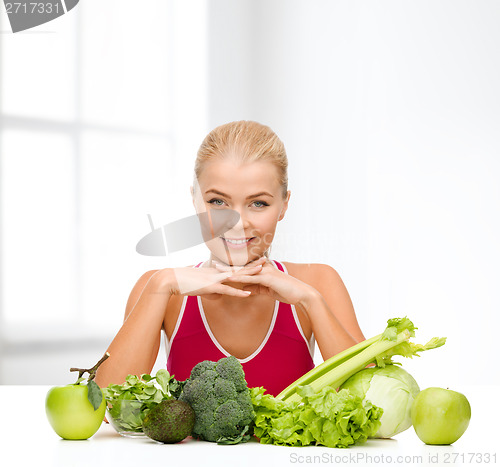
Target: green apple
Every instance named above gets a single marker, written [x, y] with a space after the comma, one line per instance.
[440, 416]
[70, 412]
[76, 411]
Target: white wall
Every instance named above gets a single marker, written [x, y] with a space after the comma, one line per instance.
[389, 112]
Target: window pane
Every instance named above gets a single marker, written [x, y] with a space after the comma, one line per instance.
[38, 69]
[38, 227]
[125, 63]
[123, 179]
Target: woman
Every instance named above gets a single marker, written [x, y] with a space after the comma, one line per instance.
[239, 302]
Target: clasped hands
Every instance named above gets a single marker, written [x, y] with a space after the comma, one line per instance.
[268, 280]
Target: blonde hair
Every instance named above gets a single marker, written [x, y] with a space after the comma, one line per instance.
[245, 141]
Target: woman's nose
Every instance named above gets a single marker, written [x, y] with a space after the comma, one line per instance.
[241, 226]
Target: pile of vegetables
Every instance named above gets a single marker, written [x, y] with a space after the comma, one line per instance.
[311, 411]
[337, 404]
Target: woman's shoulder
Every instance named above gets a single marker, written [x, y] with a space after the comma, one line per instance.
[144, 278]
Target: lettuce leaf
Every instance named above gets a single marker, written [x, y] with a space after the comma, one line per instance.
[328, 418]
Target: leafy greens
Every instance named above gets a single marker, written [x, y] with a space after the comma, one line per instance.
[130, 402]
[328, 418]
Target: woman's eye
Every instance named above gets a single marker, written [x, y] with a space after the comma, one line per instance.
[214, 201]
[262, 204]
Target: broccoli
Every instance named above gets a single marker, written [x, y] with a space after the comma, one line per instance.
[220, 398]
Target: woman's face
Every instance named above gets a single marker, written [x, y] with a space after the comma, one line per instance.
[254, 192]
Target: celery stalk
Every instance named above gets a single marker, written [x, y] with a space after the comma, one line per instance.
[326, 366]
[379, 349]
[345, 370]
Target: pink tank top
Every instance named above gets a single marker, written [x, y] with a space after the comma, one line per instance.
[283, 356]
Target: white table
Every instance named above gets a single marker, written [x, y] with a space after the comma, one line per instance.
[26, 438]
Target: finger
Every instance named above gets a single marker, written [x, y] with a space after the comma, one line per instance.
[235, 268]
[260, 260]
[246, 278]
[238, 270]
[224, 275]
[228, 290]
[258, 289]
[249, 271]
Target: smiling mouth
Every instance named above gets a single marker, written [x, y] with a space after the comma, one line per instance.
[237, 241]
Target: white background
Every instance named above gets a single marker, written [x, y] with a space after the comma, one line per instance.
[389, 113]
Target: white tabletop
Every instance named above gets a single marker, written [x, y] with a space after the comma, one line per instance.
[26, 438]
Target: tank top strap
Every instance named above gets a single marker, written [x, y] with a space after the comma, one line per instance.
[280, 266]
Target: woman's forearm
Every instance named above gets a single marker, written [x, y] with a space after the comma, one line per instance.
[329, 332]
[135, 347]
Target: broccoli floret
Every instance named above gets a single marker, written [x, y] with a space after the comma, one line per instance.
[196, 390]
[230, 368]
[202, 367]
[219, 396]
[224, 390]
[227, 416]
[201, 421]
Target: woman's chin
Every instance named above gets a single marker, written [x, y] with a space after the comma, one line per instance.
[240, 258]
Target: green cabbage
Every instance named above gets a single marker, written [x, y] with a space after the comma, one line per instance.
[390, 388]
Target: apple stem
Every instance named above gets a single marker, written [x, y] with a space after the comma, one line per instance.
[91, 371]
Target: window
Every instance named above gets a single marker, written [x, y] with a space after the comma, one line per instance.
[101, 112]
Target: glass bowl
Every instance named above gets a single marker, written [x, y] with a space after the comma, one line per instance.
[126, 416]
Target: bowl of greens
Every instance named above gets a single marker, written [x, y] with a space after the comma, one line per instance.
[128, 403]
[126, 416]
